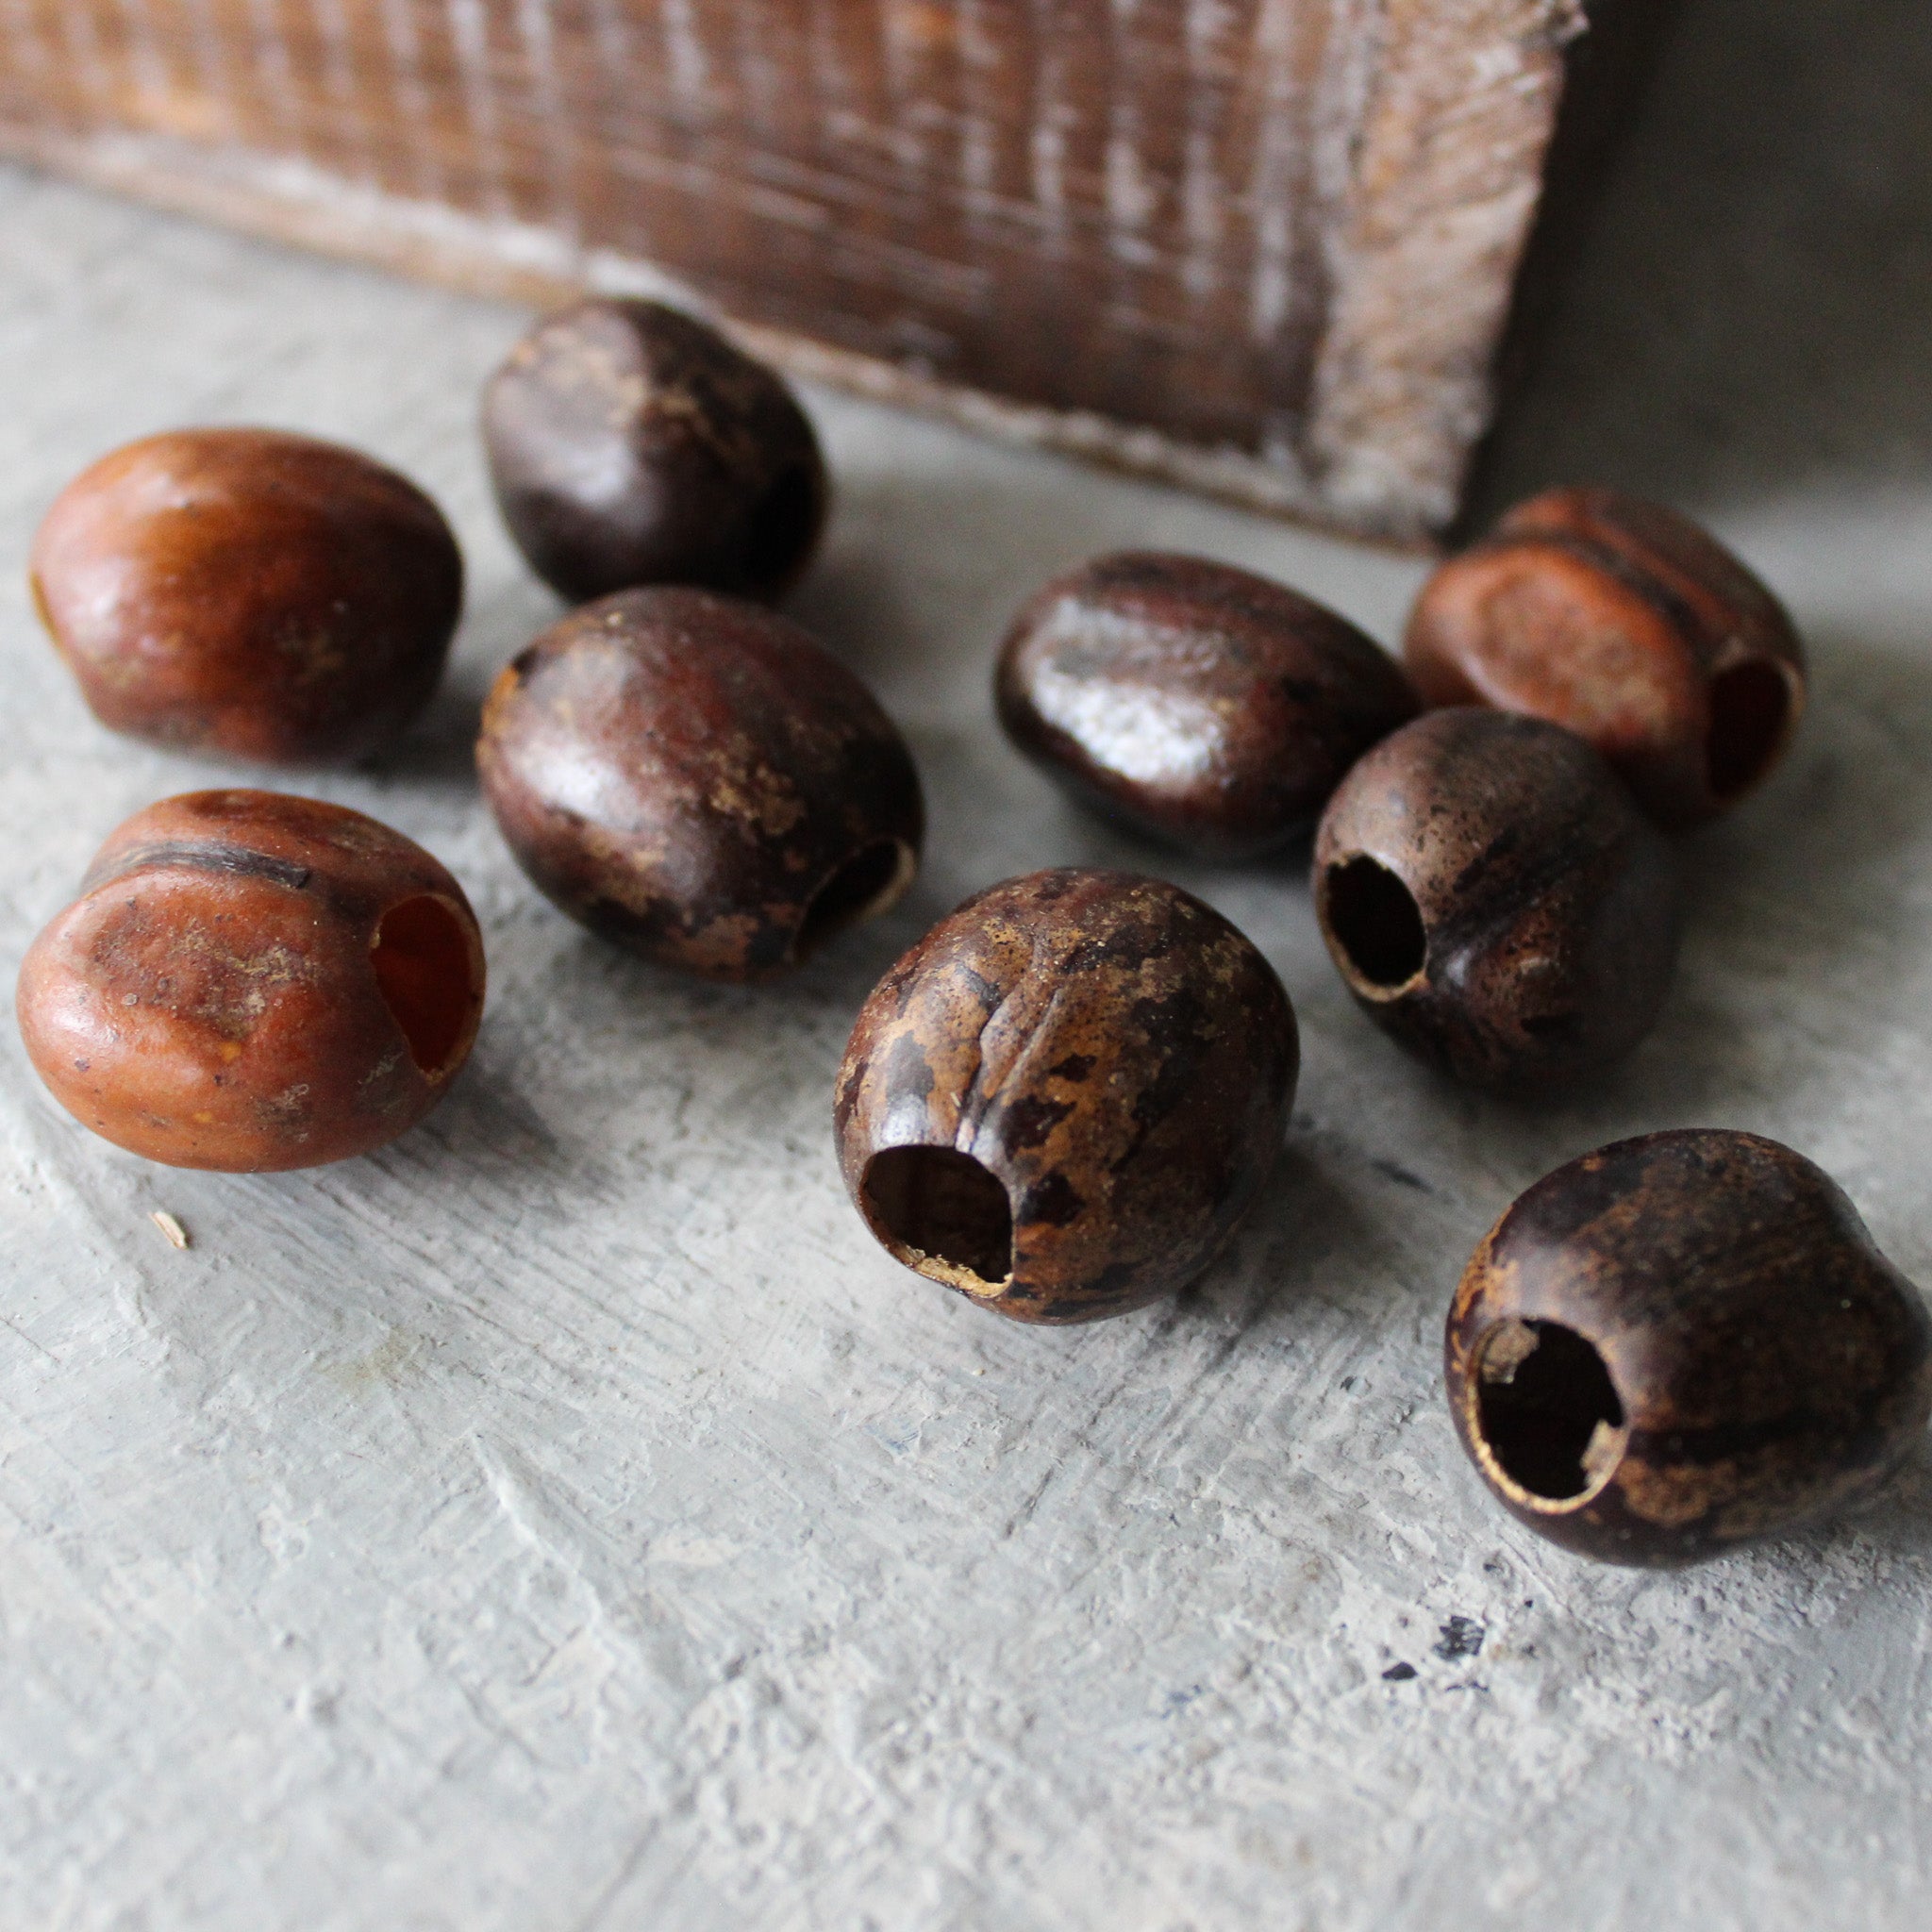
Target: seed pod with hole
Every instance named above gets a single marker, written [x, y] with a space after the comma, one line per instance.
[693, 777]
[249, 593]
[1632, 626]
[249, 982]
[1194, 702]
[631, 445]
[1062, 1100]
[1681, 1343]
[1495, 899]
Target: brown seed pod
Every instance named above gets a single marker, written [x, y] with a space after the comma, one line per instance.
[1681, 1343]
[630, 444]
[1626, 623]
[249, 593]
[1062, 1100]
[1495, 899]
[693, 777]
[249, 981]
[1196, 702]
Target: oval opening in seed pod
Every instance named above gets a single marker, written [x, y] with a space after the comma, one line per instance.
[942, 1213]
[1547, 1412]
[428, 979]
[868, 882]
[1750, 714]
[780, 526]
[1374, 920]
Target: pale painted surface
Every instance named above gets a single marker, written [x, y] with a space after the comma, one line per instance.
[568, 1519]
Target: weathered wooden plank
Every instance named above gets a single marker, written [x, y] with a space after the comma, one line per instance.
[1263, 246]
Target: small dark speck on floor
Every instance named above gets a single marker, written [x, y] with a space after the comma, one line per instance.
[1461, 1637]
[1398, 1674]
[1401, 1175]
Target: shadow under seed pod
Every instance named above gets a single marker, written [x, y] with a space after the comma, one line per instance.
[1681, 1343]
[1062, 1100]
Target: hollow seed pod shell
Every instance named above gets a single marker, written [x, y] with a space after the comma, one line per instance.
[1063, 1099]
[249, 593]
[1628, 625]
[1494, 899]
[249, 981]
[1193, 702]
[693, 777]
[632, 444]
[1681, 1343]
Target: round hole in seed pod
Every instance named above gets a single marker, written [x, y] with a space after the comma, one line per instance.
[1750, 714]
[862, 885]
[1547, 1410]
[428, 979]
[1376, 922]
[781, 524]
[943, 1214]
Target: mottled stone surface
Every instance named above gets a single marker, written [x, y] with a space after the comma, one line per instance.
[569, 1520]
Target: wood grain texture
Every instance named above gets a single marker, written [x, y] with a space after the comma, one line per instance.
[1263, 246]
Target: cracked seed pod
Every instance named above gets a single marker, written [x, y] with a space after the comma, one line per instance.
[1494, 899]
[1200, 703]
[249, 593]
[1063, 1099]
[1681, 1343]
[249, 981]
[631, 445]
[693, 777]
[1628, 625]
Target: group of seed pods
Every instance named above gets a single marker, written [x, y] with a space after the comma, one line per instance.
[1064, 1097]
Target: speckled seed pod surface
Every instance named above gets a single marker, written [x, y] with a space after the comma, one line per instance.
[1681, 1343]
[631, 445]
[249, 981]
[695, 777]
[1062, 1100]
[249, 593]
[1495, 899]
[1191, 701]
[1631, 625]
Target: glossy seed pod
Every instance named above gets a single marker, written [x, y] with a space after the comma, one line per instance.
[1062, 1100]
[249, 593]
[1200, 703]
[1632, 626]
[1681, 1343]
[1495, 899]
[249, 981]
[693, 777]
[631, 445]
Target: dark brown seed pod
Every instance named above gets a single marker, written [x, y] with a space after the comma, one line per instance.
[249, 593]
[1062, 1100]
[630, 444]
[1681, 1343]
[693, 777]
[1495, 900]
[1192, 701]
[249, 981]
[1630, 625]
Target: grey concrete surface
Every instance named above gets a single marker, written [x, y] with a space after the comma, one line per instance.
[566, 1519]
